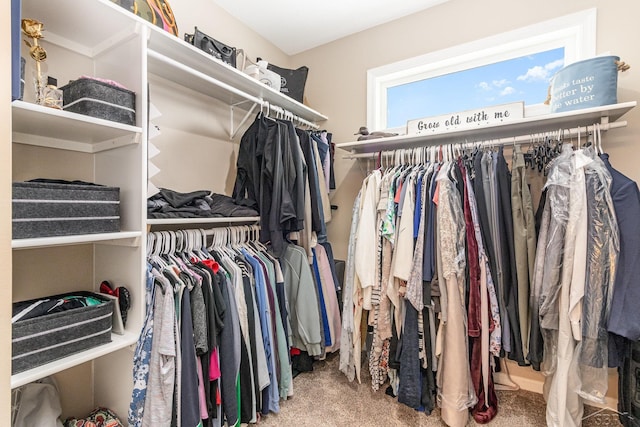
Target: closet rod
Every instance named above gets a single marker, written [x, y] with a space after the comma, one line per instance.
[572, 132]
[287, 114]
[212, 231]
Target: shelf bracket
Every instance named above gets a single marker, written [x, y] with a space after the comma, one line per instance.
[233, 132]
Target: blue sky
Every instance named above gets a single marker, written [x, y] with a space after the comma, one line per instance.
[520, 79]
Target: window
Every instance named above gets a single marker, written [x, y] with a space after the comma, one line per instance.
[509, 67]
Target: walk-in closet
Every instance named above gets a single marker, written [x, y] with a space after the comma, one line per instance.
[219, 213]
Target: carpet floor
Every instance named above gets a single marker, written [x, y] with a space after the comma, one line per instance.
[324, 397]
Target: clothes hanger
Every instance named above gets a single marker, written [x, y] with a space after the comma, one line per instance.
[597, 139]
[151, 239]
[579, 135]
[156, 255]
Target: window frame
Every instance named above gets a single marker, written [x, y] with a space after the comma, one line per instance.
[575, 32]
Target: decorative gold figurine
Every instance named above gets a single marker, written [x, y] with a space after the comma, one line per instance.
[46, 95]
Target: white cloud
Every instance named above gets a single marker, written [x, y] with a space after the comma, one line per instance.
[500, 83]
[533, 74]
[484, 86]
[507, 91]
[555, 64]
[541, 73]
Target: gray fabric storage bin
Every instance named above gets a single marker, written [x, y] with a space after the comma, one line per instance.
[101, 100]
[44, 209]
[44, 339]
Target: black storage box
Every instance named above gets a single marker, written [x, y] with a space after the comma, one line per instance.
[45, 208]
[101, 100]
[50, 337]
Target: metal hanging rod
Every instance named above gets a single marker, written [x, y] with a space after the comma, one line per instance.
[520, 139]
[285, 114]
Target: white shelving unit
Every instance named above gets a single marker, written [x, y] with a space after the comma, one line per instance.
[99, 38]
[526, 126]
[92, 38]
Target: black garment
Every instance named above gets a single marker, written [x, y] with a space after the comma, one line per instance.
[301, 363]
[483, 214]
[409, 390]
[246, 402]
[216, 310]
[395, 347]
[205, 356]
[428, 375]
[543, 200]
[628, 384]
[246, 190]
[190, 405]
[275, 203]
[510, 280]
[312, 175]
[296, 175]
[225, 206]
[332, 153]
[429, 259]
[249, 300]
[230, 409]
[261, 180]
[197, 204]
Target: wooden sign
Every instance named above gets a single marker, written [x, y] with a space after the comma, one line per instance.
[466, 119]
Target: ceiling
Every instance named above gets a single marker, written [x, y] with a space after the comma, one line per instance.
[298, 25]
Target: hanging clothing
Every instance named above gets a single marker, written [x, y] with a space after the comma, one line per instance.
[348, 361]
[283, 173]
[452, 269]
[524, 242]
[455, 388]
[603, 246]
[624, 319]
[225, 327]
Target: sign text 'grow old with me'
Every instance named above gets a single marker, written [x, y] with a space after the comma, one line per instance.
[466, 119]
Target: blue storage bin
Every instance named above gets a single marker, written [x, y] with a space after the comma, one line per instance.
[584, 84]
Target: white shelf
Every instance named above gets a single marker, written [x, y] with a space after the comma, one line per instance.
[526, 126]
[128, 238]
[34, 124]
[117, 342]
[195, 221]
[176, 60]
